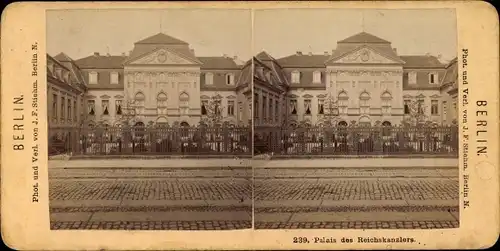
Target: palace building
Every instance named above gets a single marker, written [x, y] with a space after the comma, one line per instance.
[161, 81]
[365, 79]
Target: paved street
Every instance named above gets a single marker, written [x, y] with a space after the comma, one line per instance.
[356, 198]
[83, 196]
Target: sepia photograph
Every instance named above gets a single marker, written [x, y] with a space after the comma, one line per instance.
[355, 119]
[149, 120]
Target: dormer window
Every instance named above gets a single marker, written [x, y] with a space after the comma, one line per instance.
[209, 78]
[433, 78]
[295, 77]
[317, 77]
[114, 78]
[412, 78]
[229, 79]
[93, 77]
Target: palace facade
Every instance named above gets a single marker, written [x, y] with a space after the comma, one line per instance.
[161, 81]
[364, 81]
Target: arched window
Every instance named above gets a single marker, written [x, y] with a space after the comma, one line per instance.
[161, 100]
[342, 124]
[386, 99]
[140, 98]
[343, 102]
[184, 103]
[364, 102]
[386, 128]
[364, 121]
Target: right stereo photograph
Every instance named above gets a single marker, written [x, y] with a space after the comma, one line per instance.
[355, 119]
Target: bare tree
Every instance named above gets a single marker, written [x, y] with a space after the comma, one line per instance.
[415, 113]
[212, 111]
[330, 116]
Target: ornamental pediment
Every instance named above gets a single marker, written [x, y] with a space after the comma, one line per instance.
[162, 57]
[365, 55]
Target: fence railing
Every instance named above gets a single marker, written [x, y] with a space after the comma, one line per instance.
[357, 140]
[150, 140]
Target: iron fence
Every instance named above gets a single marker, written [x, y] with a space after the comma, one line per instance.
[357, 140]
[150, 140]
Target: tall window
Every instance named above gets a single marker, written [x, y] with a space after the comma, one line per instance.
[276, 110]
[386, 103]
[105, 107]
[293, 106]
[420, 106]
[54, 106]
[229, 79]
[321, 106]
[63, 104]
[271, 109]
[209, 78]
[255, 106]
[114, 78]
[204, 104]
[69, 110]
[240, 111]
[118, 107]
[93, 77]
[407, 106]
[295, 77]
[230, 107]
[307, 106]
[433, 78]
[317, 77]
[75, 115]
[264, 108]
[184, 103]
[91, 107]
[412, 78]
[445, 108]
[364, 103]
[161, 100]
[434, 107]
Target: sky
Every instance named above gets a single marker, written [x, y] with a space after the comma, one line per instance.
[80, 33]
[280, 32]
[412, 32]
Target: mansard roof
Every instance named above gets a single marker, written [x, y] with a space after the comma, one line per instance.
[364, 37]
[97, 61]
[221, 63]
[301, 60]
[161, 38]
[422, 61]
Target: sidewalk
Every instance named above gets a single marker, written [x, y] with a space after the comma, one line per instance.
[151, 163]
[359, 163]
[233, 163]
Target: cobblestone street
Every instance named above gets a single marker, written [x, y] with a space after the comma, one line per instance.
[135, 198]
[360, 198]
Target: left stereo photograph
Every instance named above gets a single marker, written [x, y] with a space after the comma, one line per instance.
[149, 119]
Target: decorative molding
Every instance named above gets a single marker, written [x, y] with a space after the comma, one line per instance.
[231, 97]
[307, 96]
[321, 96]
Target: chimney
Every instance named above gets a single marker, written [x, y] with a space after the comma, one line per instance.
[326, 53]
[235, 57]
[224, 55]
[123, 54]
[299, 53]
[427, 54]
[310, 53]
[192, 51]
[395, 50]
[96, 54]
[108, 55]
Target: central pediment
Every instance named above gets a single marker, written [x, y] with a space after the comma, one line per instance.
[162, 57]
[364, 55]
